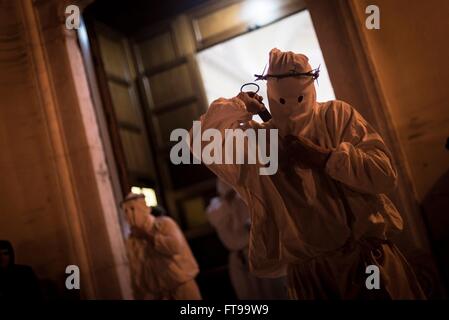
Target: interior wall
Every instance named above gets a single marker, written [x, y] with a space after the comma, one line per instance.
[409, 54]
[56, 200]
[29, 192]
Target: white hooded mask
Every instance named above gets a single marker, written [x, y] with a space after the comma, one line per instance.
[137, 213]
[291, 99]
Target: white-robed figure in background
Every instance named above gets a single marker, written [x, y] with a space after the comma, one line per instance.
[323, 217]
[229, 215]
[162, 265]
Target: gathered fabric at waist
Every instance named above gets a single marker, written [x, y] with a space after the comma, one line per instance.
[342, 274]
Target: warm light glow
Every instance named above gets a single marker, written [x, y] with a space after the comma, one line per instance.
[259, 12]
[150, 195]
[82, 34]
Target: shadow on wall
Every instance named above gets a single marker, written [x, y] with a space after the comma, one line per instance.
[20, 282]
[436, 215]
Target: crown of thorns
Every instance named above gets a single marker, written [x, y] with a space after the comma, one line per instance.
[314, 73]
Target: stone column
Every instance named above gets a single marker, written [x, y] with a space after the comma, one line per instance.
[58, 200]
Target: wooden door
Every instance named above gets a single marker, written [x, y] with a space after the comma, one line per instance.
[173, 98]
[123, 109]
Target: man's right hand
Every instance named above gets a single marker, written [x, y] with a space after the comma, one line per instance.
[252, 101]
[303, 152]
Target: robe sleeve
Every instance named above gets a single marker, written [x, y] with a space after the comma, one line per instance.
[223, 114]
[168, 240]
[361, 160]
[264, 244]
[228, 223]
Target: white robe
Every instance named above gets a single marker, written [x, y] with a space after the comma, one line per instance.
[163, 268]
[231, 220]
[300, 216]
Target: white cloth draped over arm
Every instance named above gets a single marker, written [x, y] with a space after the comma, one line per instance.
[168, 239]
[223, 114]
[229, 222]
[361, 159]
[264, 246]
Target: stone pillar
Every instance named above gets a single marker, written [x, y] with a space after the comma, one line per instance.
[56, 193]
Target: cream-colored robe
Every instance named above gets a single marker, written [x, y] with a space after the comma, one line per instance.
[163, 266]
[300, 216]
[231, 220]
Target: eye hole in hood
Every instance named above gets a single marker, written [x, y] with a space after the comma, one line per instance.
[292, 99]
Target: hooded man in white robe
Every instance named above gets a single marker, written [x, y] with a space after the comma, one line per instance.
[323, 217]
[162, 265]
